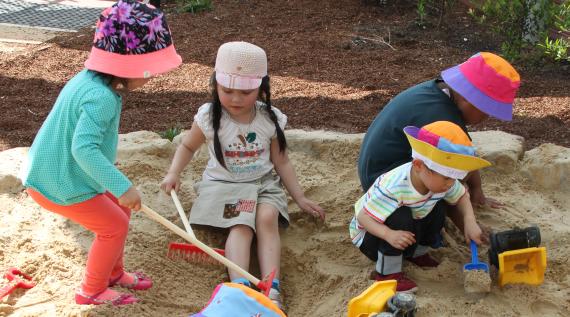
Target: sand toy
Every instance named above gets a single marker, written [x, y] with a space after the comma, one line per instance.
[518, 257]
[373, 300]
[402, 305]
[237, 300]
[16, 279]
[263, 285]
[476, 279]
[185, 251]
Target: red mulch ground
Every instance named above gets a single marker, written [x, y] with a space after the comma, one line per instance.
[330, 68]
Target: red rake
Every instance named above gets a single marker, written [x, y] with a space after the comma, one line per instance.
[16, 279]
[185, 251]
[263, 285]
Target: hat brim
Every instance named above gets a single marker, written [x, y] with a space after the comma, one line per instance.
[134, 65]
[239, 82]
[456, 161]
[458, 82]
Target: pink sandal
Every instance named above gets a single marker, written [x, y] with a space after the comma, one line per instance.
[141, 282]
[122, 299]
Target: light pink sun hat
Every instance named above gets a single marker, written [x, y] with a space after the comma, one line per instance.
[240, 65]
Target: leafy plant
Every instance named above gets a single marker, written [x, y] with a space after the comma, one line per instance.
[421, 10]
[194, 6]
[556, 49]
[434, 7]
[527, 26]
[170, 133]
[562, 17]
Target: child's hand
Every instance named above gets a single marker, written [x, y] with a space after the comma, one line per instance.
[473, 232]
[170, 181]
[131, 199]
[400, 239]
[311, 207]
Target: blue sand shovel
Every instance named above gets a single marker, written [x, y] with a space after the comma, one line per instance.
[475, 264]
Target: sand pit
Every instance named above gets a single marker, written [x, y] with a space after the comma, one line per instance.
[322, 271]
[476, 282]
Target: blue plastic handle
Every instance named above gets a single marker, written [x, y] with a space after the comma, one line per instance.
[475, 264]
[474, 256]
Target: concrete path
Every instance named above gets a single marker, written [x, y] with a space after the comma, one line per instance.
[32, 22]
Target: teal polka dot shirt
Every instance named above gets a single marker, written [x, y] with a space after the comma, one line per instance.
[71, 158]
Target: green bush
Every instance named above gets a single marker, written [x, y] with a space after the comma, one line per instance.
[528, 26]
[194, 6]
[557, 47]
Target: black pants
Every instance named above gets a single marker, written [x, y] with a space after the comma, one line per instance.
[425, 231]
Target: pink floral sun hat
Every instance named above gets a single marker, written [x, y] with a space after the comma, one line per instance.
[132, 40]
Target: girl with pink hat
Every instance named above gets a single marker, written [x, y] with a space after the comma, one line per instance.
[246, 144]
[70, 169]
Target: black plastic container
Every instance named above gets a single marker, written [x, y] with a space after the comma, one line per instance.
[514, 239]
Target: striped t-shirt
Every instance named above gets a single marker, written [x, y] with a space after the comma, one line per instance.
[392, 190]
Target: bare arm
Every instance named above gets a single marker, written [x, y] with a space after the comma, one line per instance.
[471, 229]
[285, 170]
[191, 142]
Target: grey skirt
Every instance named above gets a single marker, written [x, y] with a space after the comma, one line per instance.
[225, 204]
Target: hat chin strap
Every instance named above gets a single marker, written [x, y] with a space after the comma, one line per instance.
[441, 169]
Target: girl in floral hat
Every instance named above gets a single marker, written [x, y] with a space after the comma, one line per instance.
[246, 143]
[399, 215]
[71, 169]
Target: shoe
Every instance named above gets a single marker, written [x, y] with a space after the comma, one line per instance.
[275, 297]
[404, 283]
[424, 261]
[140, 282]
[120, 299]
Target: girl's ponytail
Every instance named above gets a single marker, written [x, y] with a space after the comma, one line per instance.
[216, 118]
[265, 96]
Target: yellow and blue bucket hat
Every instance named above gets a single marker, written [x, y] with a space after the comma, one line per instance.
[445, 148]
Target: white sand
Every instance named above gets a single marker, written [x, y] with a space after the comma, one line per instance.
[321, 269]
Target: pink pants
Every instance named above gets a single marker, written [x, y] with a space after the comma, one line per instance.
[109, 221]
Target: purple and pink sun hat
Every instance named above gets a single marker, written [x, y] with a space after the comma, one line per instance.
[132, 40]
[488, 82]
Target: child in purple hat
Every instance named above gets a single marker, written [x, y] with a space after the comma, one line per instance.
[484, 85]
[70, 169]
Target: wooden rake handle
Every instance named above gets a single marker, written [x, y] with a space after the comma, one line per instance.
[192, 239]
[182, 213]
